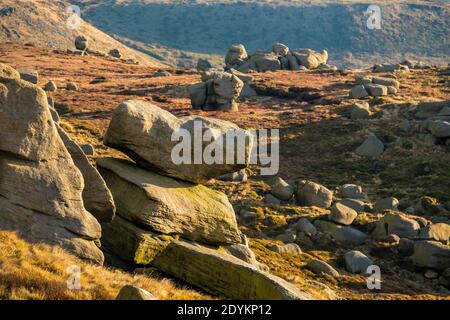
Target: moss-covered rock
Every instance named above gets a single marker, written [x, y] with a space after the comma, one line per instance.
[170, 206]
[223, 275]
[132, 243]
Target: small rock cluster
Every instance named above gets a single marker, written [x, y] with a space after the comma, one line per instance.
[425, 243]
[388, 67]
[343, 212]
[418, 65]
[280, 58]
[374, 86]
[82, 45]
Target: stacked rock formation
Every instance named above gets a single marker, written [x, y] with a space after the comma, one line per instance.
[280, 58]
[374, 86]
[166, 218]
[218, 91]
[43, 196]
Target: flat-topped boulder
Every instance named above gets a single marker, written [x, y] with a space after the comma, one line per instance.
[170, 206]
[144, 132]
[29, 75]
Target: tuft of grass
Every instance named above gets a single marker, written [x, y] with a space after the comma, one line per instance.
[41, 272]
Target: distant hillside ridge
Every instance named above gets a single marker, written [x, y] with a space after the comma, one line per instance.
[415, 28]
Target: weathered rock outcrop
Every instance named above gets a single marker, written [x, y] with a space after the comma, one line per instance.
[155, 214]
[170, 206]
[40, 186]
[144, 132]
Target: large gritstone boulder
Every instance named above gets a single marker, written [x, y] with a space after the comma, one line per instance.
[40, 186]
[170, 206]
[144, 132]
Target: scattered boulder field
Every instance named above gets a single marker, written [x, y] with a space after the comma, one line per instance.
[100, 182]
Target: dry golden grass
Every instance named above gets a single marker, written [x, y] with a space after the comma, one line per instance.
[38, 271]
